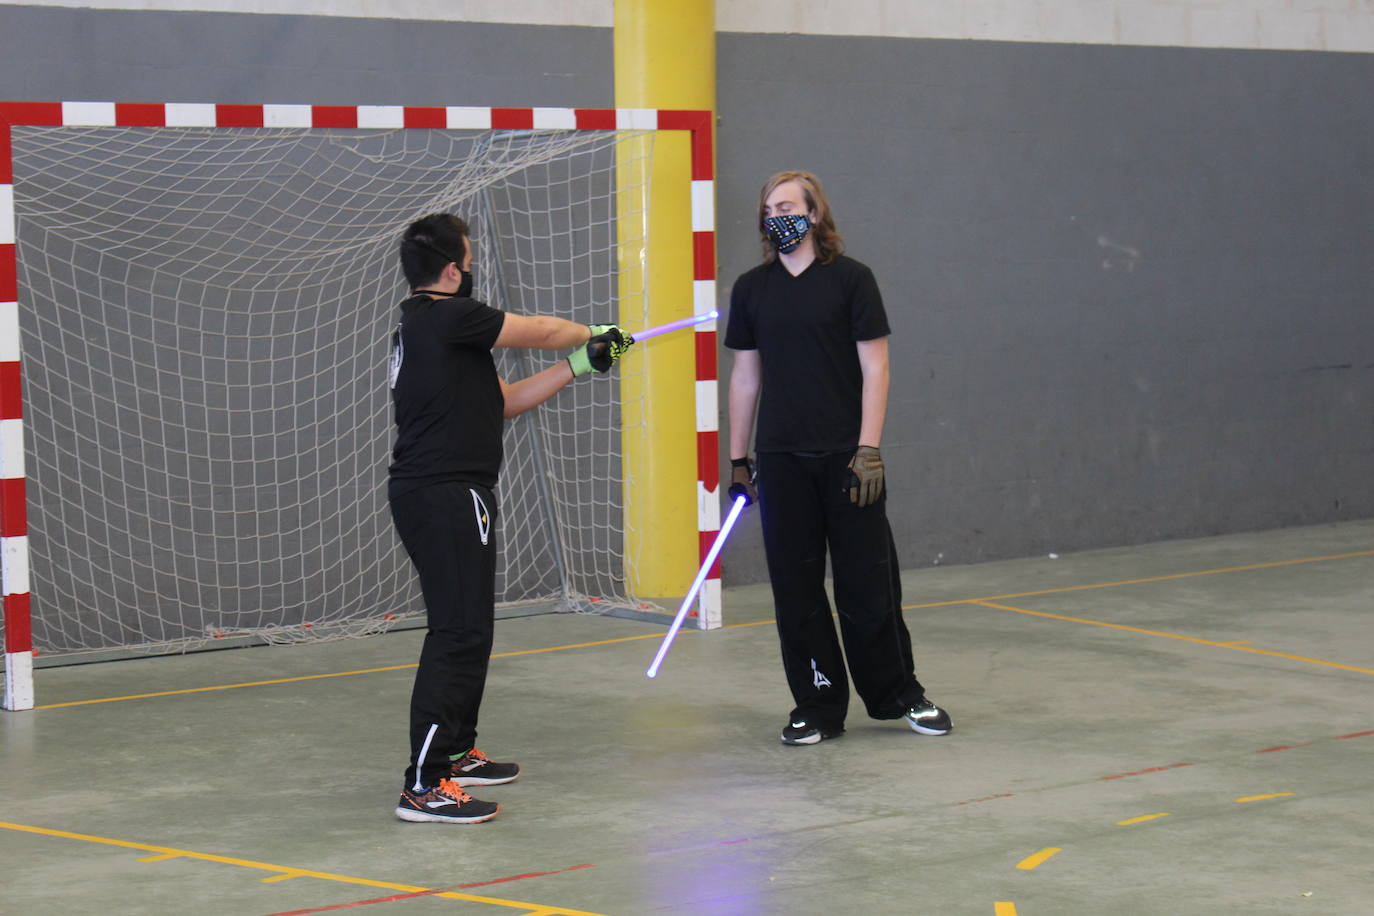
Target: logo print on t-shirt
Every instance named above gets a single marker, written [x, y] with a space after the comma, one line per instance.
[479, 509]
[397, 355]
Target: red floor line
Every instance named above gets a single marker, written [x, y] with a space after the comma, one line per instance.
[987, 798]
[429, 893]
[1172, 766]
[533, 874]
[1356, 735]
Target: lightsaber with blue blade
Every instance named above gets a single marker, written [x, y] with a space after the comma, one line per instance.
[674, 325]
[740, 502]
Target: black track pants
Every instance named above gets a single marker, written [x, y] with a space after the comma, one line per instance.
[449, 530]
[804, 501]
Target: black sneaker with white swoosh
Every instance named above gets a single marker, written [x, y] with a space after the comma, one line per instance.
[446, 803]
[799, 731]
[477, 769]
[926, 718]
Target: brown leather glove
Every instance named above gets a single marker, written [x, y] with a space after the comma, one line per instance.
[742, 480]
[865, 476]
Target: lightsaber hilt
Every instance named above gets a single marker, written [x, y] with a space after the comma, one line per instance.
[740, 502]
[640, 336]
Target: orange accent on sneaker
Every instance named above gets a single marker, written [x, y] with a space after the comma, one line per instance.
[453, 791]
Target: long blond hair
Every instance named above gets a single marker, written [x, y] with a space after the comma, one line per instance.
[829, 242]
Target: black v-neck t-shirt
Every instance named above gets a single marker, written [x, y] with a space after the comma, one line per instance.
[446, 393]
[805, 329]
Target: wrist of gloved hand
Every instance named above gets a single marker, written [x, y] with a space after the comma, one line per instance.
[742, 480]
[601, 352]
[865, 476]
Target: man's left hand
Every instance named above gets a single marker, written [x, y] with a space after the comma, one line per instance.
[865, 476]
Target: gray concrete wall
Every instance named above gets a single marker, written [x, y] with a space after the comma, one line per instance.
[1127, 284]
[52, 54]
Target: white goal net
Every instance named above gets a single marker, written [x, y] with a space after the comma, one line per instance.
[204, 321]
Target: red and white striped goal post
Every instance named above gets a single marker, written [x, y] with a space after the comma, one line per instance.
[14, 546]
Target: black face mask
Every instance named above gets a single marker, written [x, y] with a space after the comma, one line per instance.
[465, 288]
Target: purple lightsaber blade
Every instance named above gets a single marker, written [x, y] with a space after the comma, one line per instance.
[675, 325]
[740, 502]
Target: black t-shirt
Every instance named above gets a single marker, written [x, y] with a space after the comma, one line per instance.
[446, 393]
[805, 329]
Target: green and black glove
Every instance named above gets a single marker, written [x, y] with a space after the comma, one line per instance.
[865, 476]
[742, 480]
[608, 344]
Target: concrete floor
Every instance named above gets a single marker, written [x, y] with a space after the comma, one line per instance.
[1177, 729]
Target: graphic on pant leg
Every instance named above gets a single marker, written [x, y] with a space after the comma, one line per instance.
[818, 680]
[479, 509]
[420, 760]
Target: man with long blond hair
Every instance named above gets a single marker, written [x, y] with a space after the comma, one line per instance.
[810, 335]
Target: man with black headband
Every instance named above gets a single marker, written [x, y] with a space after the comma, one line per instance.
[810, 335]
[450, 402]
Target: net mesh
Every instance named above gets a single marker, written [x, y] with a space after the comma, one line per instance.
[204, 318]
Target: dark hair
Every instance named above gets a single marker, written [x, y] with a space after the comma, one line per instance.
[429, 245]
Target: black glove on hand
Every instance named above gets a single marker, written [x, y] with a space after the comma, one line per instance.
[742, 480]
[607, 345]
[865, 476]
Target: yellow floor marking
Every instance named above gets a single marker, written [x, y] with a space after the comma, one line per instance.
[1140, 820]
[1038, 859]
[1253, 798]
[605, 642]
[291, 872]
[283, 877]
[1003, 908]
[1186, 575]
[1192, 639]
[316, 677]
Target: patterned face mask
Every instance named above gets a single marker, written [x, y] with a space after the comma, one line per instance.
[787, 232]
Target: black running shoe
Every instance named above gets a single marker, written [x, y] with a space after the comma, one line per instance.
[477, 769]
[928, 719]
[445, 803]
[799, 731]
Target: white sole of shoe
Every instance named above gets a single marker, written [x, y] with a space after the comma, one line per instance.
[809, 739]
[482, 781]
[422, 817]
[924, 730]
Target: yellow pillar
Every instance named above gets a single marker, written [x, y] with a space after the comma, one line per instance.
[665, 58]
